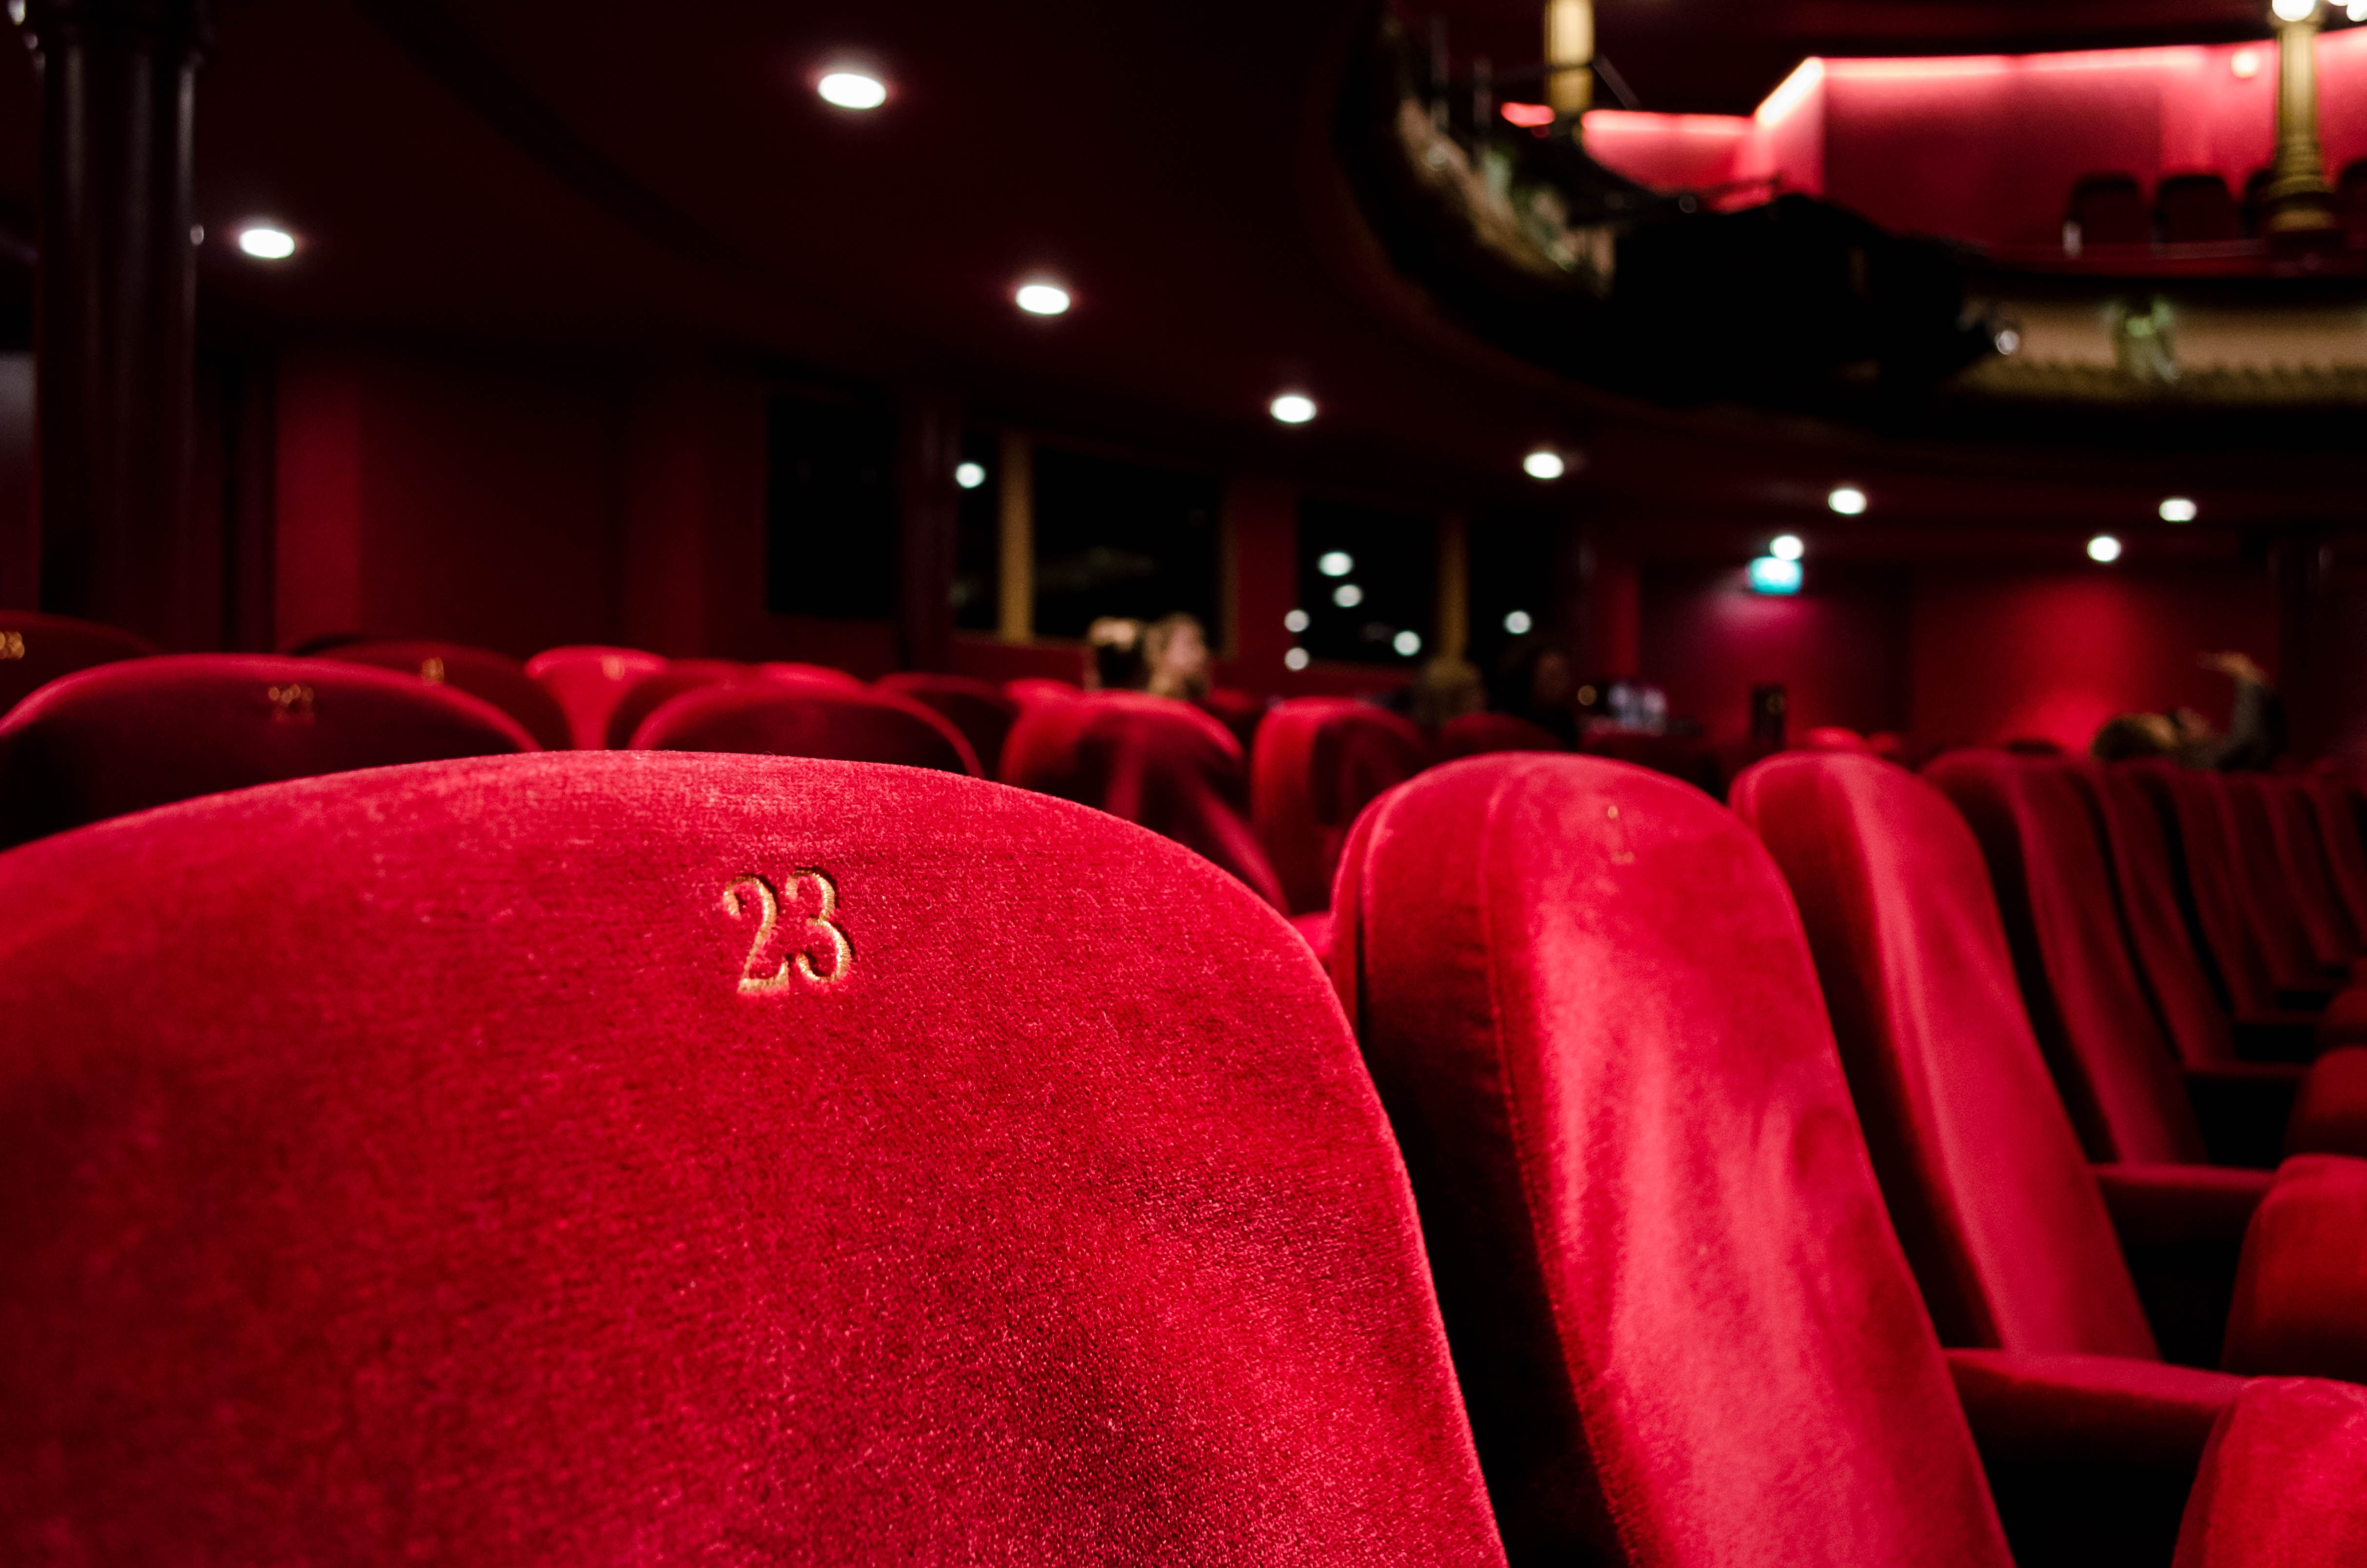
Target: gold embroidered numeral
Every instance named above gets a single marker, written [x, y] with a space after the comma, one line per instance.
[798, 963]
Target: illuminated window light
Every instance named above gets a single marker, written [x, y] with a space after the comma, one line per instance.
[1847, 499]
[1786, 546]
[969, 476]
[265, 243]
[1335, 563]
[2245, 63]
[852, 89]
[1041, 299]
[1517, 622]
[1295, 660]
[1527, 115]
[1291, 408]
[1408, 643]
[1295, 622]
[1544, 463]
[2104, 548]
[2179, 509]
[1773, 575]
[1347, 596]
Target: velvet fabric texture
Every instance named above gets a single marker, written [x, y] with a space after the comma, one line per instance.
[1151, 760]
[2309, 874]
[2329, 1115]
[2194, 808]
[2283, 1483]
[2336, 803]
[2271, 900]
[635, 1157]
[1318, 762]
[37, 649]
[652, 692]
[587, 681]
[977, 709]
[124, 737]
[1478, 734]
[2301, 1297]
[802, 717]
[492, 677]
[1242, 712]
[1684, 1332]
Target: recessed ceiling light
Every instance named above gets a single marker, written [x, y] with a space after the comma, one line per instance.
[1040, 299]
[1847, 499]
[1786, 546]
[1295, 621]
[1544, 463]
[1347, 596]
[1295, 660]
[1291, 408]
[264, 242]
[969, 476]
[1335, 563]
[852, 89]
[2179, 509]
[1407, 643]
[2104, 548]
[1517, 622]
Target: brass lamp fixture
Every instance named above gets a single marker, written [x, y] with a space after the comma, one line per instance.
[2299, 201]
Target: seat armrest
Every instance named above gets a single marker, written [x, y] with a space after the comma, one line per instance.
[2300, 1306]
[2175, 1205]
[2244, 1108]
[2283, 1483]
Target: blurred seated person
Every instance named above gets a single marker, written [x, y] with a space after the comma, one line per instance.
[2256, 731]
[1113, 656]
[1535, 680]
[1175, 659]
[1446, 687]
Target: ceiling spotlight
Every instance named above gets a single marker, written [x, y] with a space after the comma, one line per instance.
[2356, 10]
[1786, 546]
[1042, 298]
[1295, 660]
[2179, 509]
[1335, 563]
[1773, 575]
[2293, 10]
[1291, 408]
[1847, 499]
[852, 89]
[1544, 463]
[1347, 596]
[265, 243]
[2104, 548]
[1517, 622]
[1295, 622]
[969, 476]
[1408, 643]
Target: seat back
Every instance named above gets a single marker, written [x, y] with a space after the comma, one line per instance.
[1684, 1332]
[2111, 1063]
[2192, 807]
[807, 718]
[1477, 735]
[2308, 873]
[2111, 211]
[2196, 210]
[1317, 762]
[2270, 905]
[652, 692]
[1994, 1202]
[37, 649]
[792, 669]
[124, 737]
[1832, 737]
[587, 682]
[492, 677]
[1152, 760]
[2145, 882]
[619, 1158]
[1242, 712]
[2337, 805]
[977, 709]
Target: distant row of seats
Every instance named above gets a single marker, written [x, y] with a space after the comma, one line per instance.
[2192, 209]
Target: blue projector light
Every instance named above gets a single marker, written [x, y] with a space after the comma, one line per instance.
[1773, 575]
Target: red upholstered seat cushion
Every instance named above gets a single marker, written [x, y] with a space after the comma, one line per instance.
[2270, 902]
[782, 717]
[1152, 760]
[2336, 802]
[1242, 712]
[37, 649]
[1832, 737]
[977, 709]
[652, 692]
[1318, 761]
[448, 1163]
[791, 669]
[493, 677]
[2283, 1483]
[1478, 734]
[2194, 811]
[1035, 688]
[127, 736]
[1986, 1181]
[2309, 873]
[1684, 1331]
[588, 681]
[2300, 1296]
[2329, 1114]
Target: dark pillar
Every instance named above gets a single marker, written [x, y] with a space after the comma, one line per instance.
[117, 295]
[928, 504]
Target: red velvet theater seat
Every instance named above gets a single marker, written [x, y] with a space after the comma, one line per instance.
[2270, 903]
[807, 718]
[2302, 855]
[977, 709]
[588, 681]
[1152, 760]
[652, 692]
[1478, 734]
[1832, 737]
[1316, 762]
[492, 678]
[1242, 712]
[37, 649]
[790, 669]
[1684, 1331]
[2335, 802]
[635, 1158]
[125, 737]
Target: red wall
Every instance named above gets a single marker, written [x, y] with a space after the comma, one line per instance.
[1838, 647]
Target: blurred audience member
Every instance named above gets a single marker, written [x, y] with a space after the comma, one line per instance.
[2256, 732]
[1113, 656]
[1175, 659]
[1446, 687]
[1535, 680]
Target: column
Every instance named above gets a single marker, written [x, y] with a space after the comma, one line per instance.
[1016, 537]
[2299, 200]
[116, 297]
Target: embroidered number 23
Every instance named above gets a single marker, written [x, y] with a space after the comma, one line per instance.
[822, 932]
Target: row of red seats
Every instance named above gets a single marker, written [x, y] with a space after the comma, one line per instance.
[618, 1157]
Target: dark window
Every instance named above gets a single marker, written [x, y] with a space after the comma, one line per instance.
[1516, 562]
[1366, 581]
[830, 509]
[1122, 538]
[977, 535]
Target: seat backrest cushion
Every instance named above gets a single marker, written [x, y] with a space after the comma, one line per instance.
[652, 692]
[588, 681]
[2335, 802]
[2194, 810]
[1684, 1332]
[2266, 895]
[36, 649]
[1477, 735]
[632, 1157]
[977, 709]
[2309, 872]
[1993, 1199]
[2111, 1062]
[783, 717]
[1317, 762]
[127, 736]
[493, 677]
[2283, 1479]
